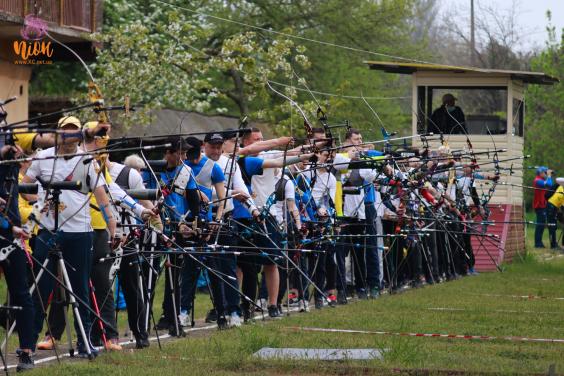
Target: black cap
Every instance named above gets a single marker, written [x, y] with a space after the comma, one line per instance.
[195, 145]
[177, 143]
[214, 138]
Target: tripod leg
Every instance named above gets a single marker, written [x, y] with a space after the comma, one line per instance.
[67, 322]
[97, 310]
[74, 304]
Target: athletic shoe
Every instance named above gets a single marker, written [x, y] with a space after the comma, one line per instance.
[332, 300]
[163, 324]
[293, 299]
[142, 341]
[318, 303]
[248, 316]
[472, 271]
[362, 295]
[303, 306]
[48, 343]
[273, 312]
[25, 362]
[173, 333]
[341, 297]
[222, 323]
[235, 320]
[81, 353]
[113, 345]
[184, 318]
[211, 316]
[263, 304]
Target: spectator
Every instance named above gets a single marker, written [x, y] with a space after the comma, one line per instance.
[449, 118]
[541, 182]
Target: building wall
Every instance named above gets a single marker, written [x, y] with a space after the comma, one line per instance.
[14, 81]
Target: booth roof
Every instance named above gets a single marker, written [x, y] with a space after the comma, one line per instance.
[409, 68]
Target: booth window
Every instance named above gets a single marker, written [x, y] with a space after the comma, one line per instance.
[476, 109]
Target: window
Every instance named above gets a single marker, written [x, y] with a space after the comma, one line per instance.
[476, 109]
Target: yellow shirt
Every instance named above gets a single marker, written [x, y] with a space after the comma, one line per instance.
[557, 198]
[96, 218]
[25, 141]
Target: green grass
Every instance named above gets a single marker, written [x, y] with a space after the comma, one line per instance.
[230, 352]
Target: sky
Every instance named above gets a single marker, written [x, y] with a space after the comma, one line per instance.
[531, 18]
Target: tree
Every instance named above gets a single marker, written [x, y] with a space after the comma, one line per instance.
[211, 61]
[544, 109]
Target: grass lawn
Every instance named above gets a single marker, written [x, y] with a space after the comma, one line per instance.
[479, 305]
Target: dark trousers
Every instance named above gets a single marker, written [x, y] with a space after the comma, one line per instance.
[103, 288]
[191, 270]
[354, 247]
[374, 277]
[431, 245]
[541, 224]
[394, 254]
[77, 253]
[99, 276]
[551, 219]
[15, 269]
[172, 271]
[128, 273]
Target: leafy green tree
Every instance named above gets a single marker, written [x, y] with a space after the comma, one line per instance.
[544, 110]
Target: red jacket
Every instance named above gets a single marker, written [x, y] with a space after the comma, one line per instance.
[539, 202]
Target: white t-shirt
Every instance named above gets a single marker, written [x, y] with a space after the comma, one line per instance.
[236, 181]
[135, 179]
[324, 188]
[74, 208]
[289, 194]
[263, 185]
[463, 184]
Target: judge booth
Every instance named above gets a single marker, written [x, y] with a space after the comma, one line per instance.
[493, 108]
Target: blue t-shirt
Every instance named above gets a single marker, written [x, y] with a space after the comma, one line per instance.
[216, 176]
[369, 193]
[251, 166]
[374, 153]
[304, 200]
[174, 200]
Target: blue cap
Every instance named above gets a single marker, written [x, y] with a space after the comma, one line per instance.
[541, 169]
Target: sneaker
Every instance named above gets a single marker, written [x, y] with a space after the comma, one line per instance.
[48, 343]
[273, 312]
[318, 303]
[263, 304]
[211, 316]
[142, 341]
[303, 306]
[222, 323]
[113, 345]
[248, 316]
[173, 333]
[25, 362]
[235, 320]
[472, 271]
[332, 300]
[362, 295]
[163, 324]
[293, 299]
[81, 353]
[341, 297]
[184, 318]
[374, 293]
